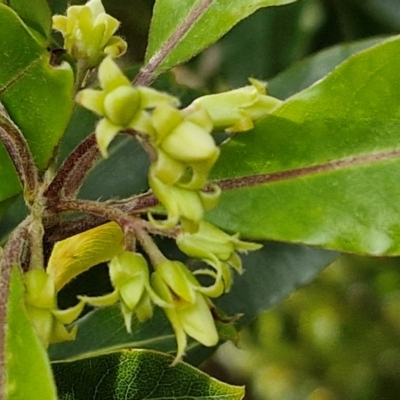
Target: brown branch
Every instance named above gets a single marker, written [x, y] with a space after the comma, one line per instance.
[131, 206]
[147, 74]
[11, 257]
[74, 170]
[20, 154]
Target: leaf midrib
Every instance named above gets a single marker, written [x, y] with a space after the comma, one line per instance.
[347, 162]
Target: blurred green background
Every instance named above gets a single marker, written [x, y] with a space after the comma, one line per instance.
[339, 337]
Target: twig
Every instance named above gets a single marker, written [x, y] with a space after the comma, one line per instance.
[11, 257]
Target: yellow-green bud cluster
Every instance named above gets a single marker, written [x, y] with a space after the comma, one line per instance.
[183, 153]
[121, 105]
[217, 249]
[88, 33]
[236, 110]
[129, 275]
[172, 286]
[181, 140]
[189, 311]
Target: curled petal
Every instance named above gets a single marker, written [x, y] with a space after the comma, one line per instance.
[101, 301]
[105, 133]
[210, 198]
[110, 76]
[91, 99]
[217, 288]
[69, 315]
[115, 47]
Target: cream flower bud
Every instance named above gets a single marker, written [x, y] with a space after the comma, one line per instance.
[235, 111]
[121, 105]
[190, 314]
[217, 248]
[184, 205]
[184, 139]
[88, 33]
[129, 276]
[41, 305]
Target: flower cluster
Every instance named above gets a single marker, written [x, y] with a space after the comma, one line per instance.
[88, 33]
[217, 249]
[129, 274]
[183, 152]
[171, 286]
[138, 287]
[182, 147]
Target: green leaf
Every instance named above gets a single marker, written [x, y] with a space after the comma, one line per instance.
[36, 14]
[179, 32]
[29, 375]
[138, 374]
[91, 341]
[323, 169]
[270, 274]
[308, 71]
[37, 96]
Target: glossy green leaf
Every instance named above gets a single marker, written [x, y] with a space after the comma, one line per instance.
[91, 341]
[138, 374]
[323, 169]
[36, 14]
[308, 71]
[270, 275]
[29, 375]
[37, 96]
[180, 31]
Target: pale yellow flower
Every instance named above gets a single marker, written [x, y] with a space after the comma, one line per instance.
[88, 33]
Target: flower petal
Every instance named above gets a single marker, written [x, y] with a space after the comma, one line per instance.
[110, 76]
[105, 133]
[198, 323]
[92, 99]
